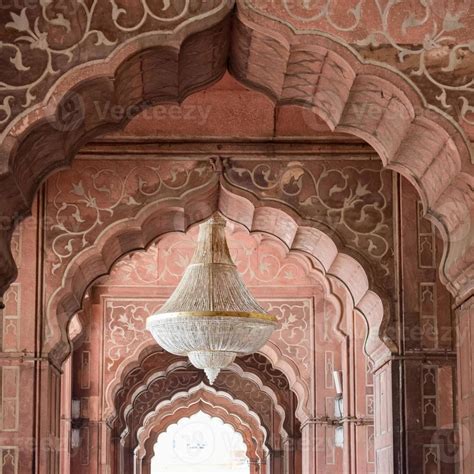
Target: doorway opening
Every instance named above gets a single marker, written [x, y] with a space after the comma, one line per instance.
[200, 444]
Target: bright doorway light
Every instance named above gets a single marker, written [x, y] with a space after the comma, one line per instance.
[200, 444]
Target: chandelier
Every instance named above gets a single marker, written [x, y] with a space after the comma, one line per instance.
[211, 317]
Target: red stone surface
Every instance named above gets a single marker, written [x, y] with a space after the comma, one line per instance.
[90, 212]
[398, 76]
[307, 70]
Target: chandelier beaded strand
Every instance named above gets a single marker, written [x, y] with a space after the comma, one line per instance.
[211, 317]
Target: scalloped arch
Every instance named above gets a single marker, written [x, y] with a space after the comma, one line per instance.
[271, 351]
[212, 402]
[163, 374]
[211, 410]
[310, 70]
[176, 215]
[375, 103]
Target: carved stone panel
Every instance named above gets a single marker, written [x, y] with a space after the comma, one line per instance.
[350, 201]
[87, 199]
[125, 329]
[427, 41]
[42, 41]
[9, 459]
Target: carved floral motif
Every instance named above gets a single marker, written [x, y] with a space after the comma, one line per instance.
[293, 337]
[426, 40]
[261, 261]
[260, 364]
[84, 201]
[43, 41]
[125, 329]
[355, 202]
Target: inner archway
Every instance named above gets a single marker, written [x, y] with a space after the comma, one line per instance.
[316, 337]
[201, 444]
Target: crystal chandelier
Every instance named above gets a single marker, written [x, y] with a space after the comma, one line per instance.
[211, 316]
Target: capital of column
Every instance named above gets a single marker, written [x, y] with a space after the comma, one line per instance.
[462, 288]
[466, 303]
[464, 310]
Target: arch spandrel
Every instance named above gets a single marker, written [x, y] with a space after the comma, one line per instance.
[386, 36]
[104, 28]
[353, 205]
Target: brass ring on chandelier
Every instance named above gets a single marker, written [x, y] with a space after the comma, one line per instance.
[235, 314]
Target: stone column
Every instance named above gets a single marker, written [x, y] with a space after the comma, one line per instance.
[66, 426]
[30, 396]
[146, 466]
[107, 451]
[313, 434]
[424, 370]
[465, 354]
[48, 412]
[292, 455]
[87, 385]
[138, 464]
[277, 461]
[268, 464]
